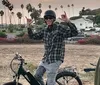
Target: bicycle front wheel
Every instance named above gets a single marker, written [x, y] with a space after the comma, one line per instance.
[68, 78]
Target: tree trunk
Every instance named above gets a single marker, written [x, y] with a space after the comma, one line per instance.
[23, 16]
[2, 21]
[5, 17]
[73, 11]
[14, 19]
[10, 18]
[20, 21]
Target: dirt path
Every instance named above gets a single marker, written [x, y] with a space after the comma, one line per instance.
[78, 55]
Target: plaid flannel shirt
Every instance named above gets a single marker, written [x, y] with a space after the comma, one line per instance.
[54, 41]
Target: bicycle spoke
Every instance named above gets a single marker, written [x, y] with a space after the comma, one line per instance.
[67, 80]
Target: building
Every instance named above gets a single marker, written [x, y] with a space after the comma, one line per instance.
[81, 23]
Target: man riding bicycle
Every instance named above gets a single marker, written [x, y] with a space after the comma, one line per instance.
[53, 36]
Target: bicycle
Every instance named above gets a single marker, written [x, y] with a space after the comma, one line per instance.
[66, 76]
[89, 74]
[96, 71]
[90, 69]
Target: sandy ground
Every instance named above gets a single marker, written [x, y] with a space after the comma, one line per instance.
[78, 55]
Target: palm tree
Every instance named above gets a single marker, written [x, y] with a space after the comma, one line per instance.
[10, 9]
[1, 14]
[5, 15]
[49, 6]
[7, 4]
[12, 13]
[56, 11]
[39, 5]
[29, 8]
[61, 7]
[40, 10]
[19, 15]
[82, 12]
[35, 15]
[68, 9]
[22, 6]
[73, 9]
[83, 9]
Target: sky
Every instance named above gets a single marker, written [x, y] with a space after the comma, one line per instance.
[72, 11]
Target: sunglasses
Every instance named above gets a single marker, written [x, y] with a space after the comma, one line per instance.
[48, 17]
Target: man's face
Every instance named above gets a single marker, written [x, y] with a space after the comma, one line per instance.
[49, 20]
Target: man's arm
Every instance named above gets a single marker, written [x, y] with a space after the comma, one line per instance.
[31, 34]
[73, 28]
[36, 36]
[68, 29]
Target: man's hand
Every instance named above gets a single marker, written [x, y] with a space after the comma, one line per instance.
[29, 21]
[64, 17]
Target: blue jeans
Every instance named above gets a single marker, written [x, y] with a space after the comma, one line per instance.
[51, 70]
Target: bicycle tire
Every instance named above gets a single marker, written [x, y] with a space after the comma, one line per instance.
[12, 83]
[68, 74]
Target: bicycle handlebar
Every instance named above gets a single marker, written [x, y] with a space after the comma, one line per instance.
[89, 69]
[19, 58]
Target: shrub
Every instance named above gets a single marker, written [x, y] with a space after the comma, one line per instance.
[11, 28]
[3, 30]
[19, 29]
[3, 35]
[82, 41]
[27, 40]
[94, 39]
[21, 34]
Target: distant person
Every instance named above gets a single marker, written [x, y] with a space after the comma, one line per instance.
[53, 36]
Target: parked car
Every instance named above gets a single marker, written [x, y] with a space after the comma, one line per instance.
[75, 39]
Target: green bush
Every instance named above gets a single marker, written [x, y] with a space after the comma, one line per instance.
[3, 30]
[21, 34]
[91, 40]
[11, 28]
[19, 29]
[94, 40]
[3, 35]
[27, 40]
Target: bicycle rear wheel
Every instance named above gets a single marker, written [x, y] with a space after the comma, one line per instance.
[12, 83]
[68, 78]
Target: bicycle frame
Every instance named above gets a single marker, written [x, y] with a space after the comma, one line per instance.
[26, 74]
[65, 72]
